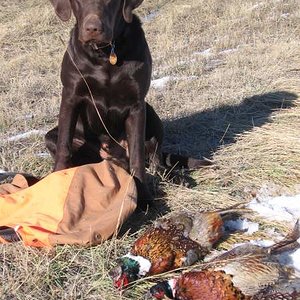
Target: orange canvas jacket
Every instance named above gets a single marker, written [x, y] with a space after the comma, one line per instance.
[82, 205]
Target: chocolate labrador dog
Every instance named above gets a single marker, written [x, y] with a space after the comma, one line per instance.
[105, 73]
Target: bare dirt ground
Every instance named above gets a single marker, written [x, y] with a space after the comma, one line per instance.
[226, 83]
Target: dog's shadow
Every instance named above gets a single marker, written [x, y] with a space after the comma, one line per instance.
[201, 134]
[143, 218]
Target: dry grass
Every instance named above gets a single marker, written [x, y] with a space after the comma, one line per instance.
[241, 109]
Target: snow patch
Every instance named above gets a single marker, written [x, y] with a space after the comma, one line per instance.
[43, 154]
[152, 15]
[186, 62]
[291, 259]
[257, 5]
[280, 208]
[241, 225]
[192, 77]
[206, 52]
[227, 51]
[26, 135]
[212, 64]
[26, 117]
[272, 232]
[285, 16]
[262, 243]
[160, 83]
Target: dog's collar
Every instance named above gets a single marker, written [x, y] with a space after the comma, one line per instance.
[112, 57]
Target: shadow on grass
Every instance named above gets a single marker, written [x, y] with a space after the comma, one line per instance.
[202, 133]
[158, 208]
[139, 219]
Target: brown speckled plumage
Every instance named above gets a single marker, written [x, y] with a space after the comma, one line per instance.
[167, 249]
[173, 242]
[245, 272]
[182, 239]
[253, 268]
[284, 290]
[212, 285]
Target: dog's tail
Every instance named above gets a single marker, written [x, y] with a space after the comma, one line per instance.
[171, 160]
[179, 161]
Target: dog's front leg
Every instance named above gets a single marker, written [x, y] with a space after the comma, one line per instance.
[68, 115]
[135, 131]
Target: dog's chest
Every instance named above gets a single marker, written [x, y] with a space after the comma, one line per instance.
[109, 94]
[109, 90]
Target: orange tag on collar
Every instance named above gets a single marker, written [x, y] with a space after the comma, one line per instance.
[113, 58]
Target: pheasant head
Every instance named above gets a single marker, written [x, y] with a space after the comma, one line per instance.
[162, 290]
[129, 269]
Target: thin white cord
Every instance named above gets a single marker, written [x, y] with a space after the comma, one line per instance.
[91, 95]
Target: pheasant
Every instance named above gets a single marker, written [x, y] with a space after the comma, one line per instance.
[201, 285]
[245, 272]
[171, 243]
[285, 290]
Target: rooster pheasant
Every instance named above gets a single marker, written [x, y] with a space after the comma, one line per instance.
[172, 243]
[246, 272]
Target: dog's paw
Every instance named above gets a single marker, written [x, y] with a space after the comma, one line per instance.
[144, 197]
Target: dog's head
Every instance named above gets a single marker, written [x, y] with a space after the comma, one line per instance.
[96, 19]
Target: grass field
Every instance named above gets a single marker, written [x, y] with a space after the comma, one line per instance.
[226, 83]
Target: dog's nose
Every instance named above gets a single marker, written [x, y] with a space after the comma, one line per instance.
[92, 25]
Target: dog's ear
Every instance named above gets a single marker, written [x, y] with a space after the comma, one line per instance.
[129, 6]
[62, 9]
